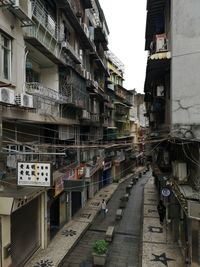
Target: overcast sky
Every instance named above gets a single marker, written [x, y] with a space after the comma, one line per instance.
[126, 21]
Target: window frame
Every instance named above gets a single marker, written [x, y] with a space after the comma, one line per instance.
[8, 49]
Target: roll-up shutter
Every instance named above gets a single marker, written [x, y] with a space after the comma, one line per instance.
[25, 232]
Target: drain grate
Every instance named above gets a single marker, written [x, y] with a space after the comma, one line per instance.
[44, 263]
[69, 232]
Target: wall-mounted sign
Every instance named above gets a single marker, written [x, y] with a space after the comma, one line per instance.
[166, 192]
[34, 174]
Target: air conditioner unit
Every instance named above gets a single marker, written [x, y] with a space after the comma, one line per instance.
[66, 132]
[24, 100]
[22, 9]
[161, 42]
[160, 90]
[7, 96]
[179, 170]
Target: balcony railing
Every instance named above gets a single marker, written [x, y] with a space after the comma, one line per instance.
[95, 117]
[44, 30]
[66, 46]
[43, 17]
[42, 91]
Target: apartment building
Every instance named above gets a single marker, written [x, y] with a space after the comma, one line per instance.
[52, 92]
[120, 126]
[172, 101]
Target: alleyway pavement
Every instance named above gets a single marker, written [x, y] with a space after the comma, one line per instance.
[124, 251]
[72, 233]
[158, 248]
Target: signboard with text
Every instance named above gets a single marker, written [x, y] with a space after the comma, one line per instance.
[34, 174]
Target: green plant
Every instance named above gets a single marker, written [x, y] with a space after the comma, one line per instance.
[100, 246]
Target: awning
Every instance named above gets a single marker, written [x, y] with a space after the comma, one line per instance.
[13, 198]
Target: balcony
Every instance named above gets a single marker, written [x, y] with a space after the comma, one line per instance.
[66, 47]
[38, 89]
[123, 134]
[75, 96]
[120, 92]
[120, 118]
[95, 117]
[90, 170]
[5, 3]
[85, 115]
[44, 33]
[73, 12]
[159, 44]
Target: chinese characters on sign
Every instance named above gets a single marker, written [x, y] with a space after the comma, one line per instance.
[34, 174]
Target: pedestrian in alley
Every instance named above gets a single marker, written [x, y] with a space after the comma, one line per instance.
[103, 208]
[161, 211]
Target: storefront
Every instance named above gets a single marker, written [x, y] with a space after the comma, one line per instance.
[56, 207]
[93, 177]
[106, 178]
[22, 224]
[75, 186]
[25, 232]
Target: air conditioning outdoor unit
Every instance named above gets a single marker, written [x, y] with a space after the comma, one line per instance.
[7, 96]
[161, 43]
[24, 100]
[22, 9]
[66, 132]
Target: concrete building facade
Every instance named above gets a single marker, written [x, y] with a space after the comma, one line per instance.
[172, 101]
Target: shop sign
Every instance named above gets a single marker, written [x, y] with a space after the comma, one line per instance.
[107, 165]
[89, 171]
[59, 186]
[34, 174]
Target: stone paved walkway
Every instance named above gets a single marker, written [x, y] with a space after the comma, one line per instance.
[158, 249]
[72, 232]
[124, 250]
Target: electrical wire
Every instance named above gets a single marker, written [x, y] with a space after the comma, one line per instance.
[93, 183]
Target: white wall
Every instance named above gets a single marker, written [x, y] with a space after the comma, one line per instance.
[185, 82]
[12, 27]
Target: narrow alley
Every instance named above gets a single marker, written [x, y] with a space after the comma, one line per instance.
[125, 248]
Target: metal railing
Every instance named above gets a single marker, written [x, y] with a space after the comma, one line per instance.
[42, 91]
[94, 117]
[43, 17]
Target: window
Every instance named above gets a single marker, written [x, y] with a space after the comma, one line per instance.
[5, 56]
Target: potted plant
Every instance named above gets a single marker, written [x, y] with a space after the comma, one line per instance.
[100, 249]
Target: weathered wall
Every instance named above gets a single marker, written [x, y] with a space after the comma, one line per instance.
[185, 82]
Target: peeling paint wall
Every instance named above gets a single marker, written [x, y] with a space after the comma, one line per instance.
[185, 82]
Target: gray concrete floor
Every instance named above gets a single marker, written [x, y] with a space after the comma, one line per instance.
[124, 251]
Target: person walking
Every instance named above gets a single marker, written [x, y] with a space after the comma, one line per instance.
[161, 211]
[103, 208]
